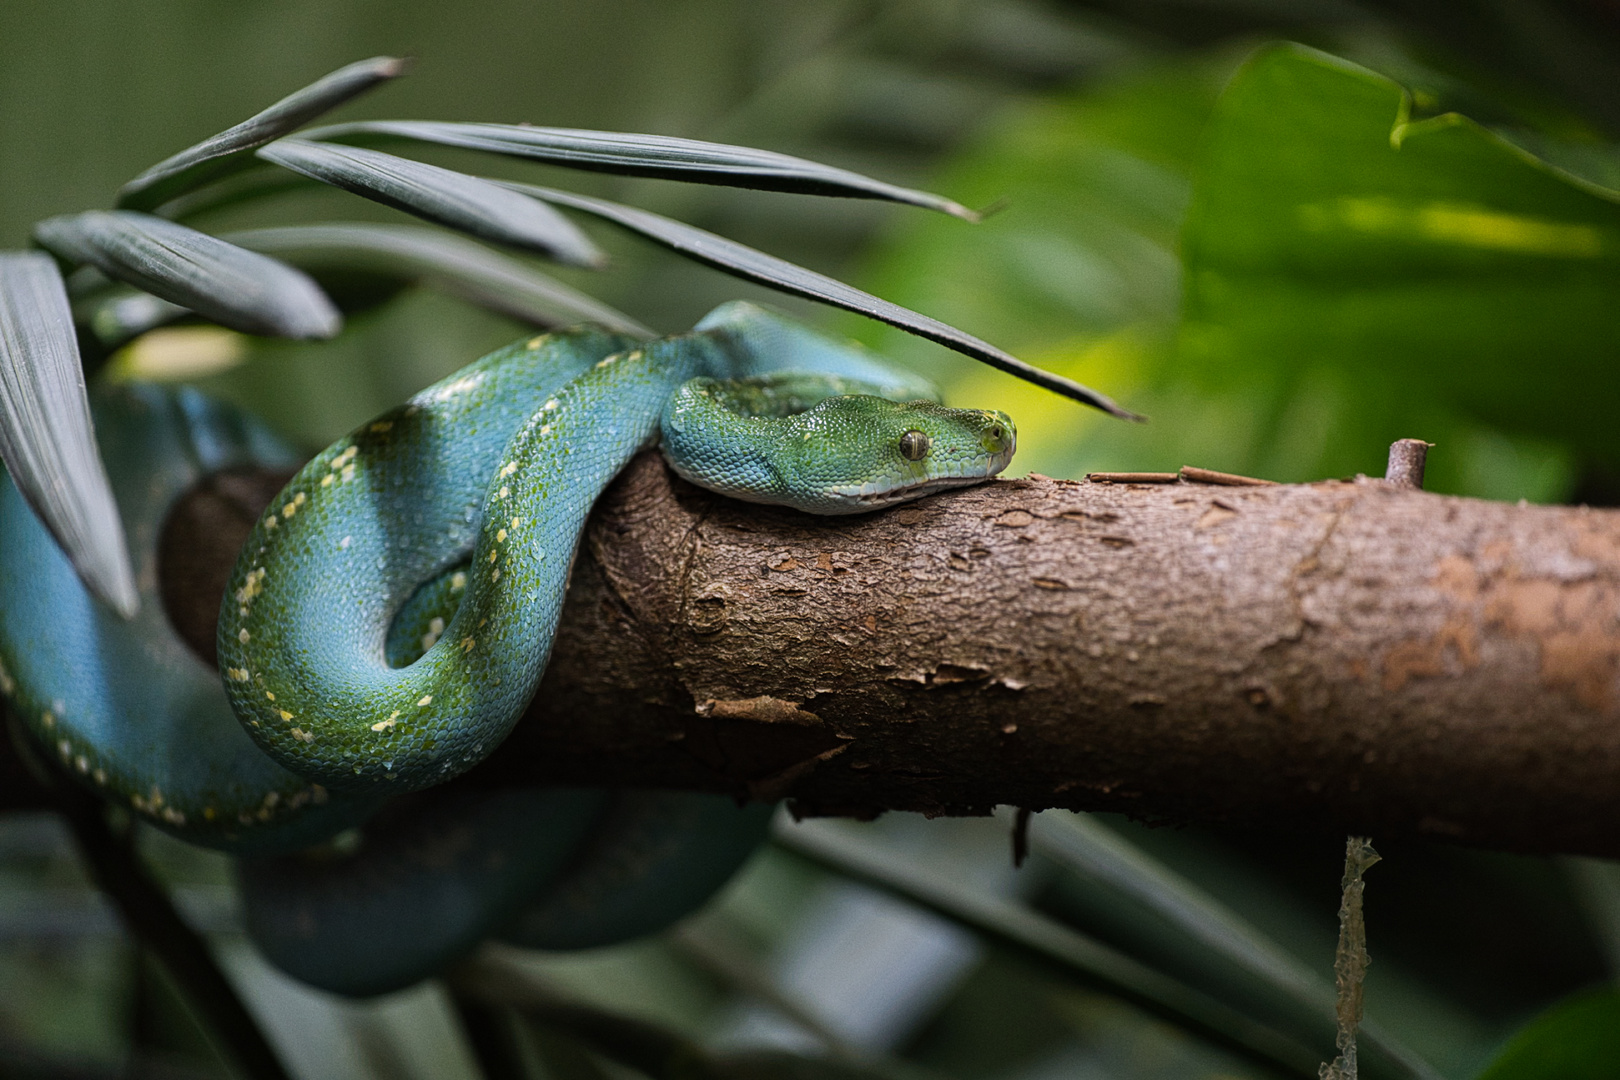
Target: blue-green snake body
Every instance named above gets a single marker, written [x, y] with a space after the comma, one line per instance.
[393, 610]
[401, 502]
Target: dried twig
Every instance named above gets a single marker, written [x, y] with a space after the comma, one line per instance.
[1351, 961]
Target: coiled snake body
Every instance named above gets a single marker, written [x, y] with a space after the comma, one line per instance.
[367, 655]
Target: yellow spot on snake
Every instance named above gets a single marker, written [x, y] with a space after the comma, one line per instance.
[381, 425]
[467, 643]
[269, 696]
[494, 575]
[605, 363]
[243, 636]
[285, 715]
[536, 341]
[458, 581]
[48, 719]
[500, 536]
[427, 699]
[494, 555]
[271, 522]
[550, 405]
[326, 481]
[348, 473]
[516, 522]
[237, 674]
[384, 725]
[509, 468]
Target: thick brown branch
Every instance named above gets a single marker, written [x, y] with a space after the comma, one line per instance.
[1347, 656]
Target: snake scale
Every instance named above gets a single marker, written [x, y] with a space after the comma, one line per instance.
[392, 612]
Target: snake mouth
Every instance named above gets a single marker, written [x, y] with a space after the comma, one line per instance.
[859, 501]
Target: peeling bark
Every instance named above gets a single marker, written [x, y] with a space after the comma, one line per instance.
[1350, 656]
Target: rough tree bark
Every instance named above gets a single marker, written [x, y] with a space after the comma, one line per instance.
[1355, 656]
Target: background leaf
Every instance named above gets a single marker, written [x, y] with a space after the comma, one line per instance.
[1429, 273]
[235, 287]
[227, 151]
[644, 155]
[449, 198]
[337, 253]
[1578, 1039]
[745, 262]
[45, 435]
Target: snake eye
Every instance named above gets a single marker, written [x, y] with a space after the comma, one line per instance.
[914, 445]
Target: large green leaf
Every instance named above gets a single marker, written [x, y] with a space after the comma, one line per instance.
[1578, 1039]
[235, 287]
[227, 151]
[643, 155]
[46, 439]
[449, 198]
[1415, 270]
[745, 262]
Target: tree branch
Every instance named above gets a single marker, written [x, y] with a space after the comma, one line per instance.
[1349, 656]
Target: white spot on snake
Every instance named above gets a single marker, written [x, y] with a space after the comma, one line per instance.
[345, 542]
[427, 699]
[605, 363]
[458, 581]
[242, 635]
[509, 468]
[550, 405]
[237, 674]
[271, 522]
[253, 584]
[306, 736]
[494, 575]
[545, 429]
[101, 777]
[65, 748]
[82, 763]
[348, 473]
[59, 707]
[505, 491]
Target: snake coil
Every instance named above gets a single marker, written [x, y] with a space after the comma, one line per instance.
[392, 612]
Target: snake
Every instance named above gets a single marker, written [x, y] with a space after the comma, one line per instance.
[392, 611]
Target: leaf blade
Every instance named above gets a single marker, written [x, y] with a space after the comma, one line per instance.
[1091, 851]
[659, 156]
[227, 151]
[464, 203]
[443, 261]
[234, 287]
[1039, 937]
[745, 262]
[46, 437]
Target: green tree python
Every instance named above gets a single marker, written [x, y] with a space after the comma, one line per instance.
[390, 616]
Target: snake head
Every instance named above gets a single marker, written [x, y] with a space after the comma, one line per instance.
[871, 453]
